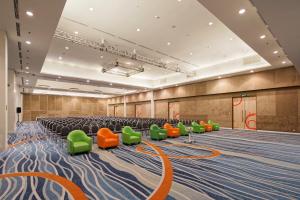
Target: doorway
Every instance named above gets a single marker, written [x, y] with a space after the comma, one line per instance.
[174, 110]
[244, 113]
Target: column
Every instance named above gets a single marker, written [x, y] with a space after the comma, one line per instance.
[13, 96]
[125, 108]
[3, 90]
[152, 105]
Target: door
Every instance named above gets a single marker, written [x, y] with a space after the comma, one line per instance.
[142, 110]
[174, 110]
[244, 113]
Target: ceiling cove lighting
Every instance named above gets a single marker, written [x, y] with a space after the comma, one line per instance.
[242, 11]
[275, 52]
[262, 37]
[29, 13]
[27, 42]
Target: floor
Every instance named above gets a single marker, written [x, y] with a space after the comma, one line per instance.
[227, 164]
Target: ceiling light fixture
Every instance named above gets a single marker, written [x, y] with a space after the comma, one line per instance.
[60, 58]
[138, 30]
[59, 77]
[29, 13]
[219, 77]
[26, 80]
[191, 53]
[262, 37]
[168, 43]
[27, 72]
[27, 67]
[76, 32]
[67, 48]
[91, 9]
[87, 81]
[26, 83]
[179, 0]
[230, 39]
[210, 23]
[251, 71]
[27, 42]
[283, 62]
[101, 57]
[110, 84]
[242, 11]
[157, 17]
[275, 52]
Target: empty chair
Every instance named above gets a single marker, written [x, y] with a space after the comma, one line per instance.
[215, 126]
[130, 137]
[208, 127]
[94, 129]
[157, 133]
[106, 138]
[86, 129]
[182, 129]
[197, 128]
[172, 132]
[79, 142]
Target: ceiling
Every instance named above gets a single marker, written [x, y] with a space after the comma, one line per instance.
[116, 47]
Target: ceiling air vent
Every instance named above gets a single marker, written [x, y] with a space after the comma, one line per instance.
[46, 86]
[251, 60]
[18, 29]
[20, 55]
[98, 91]
[16, 8]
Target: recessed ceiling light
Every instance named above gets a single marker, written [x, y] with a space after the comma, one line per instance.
[230, 38]
[67, 48]
[59, 77]
[60, 58]
[157, 17]
[27, 72]
[191, 53]
[26, 83]
[128, 63]
[29, 13]
[168, 43]
[76, 32]
[27, 42]
[91, 9]
[262, 37]
[87, 81]
[179, 0]
[110, 84]
[210, 23]
[242, 11]
[251, 71]
[161, 88]
[283, 62]
[101, 57]
[219, 76]
[275, 52]
[26, 80]
[27, 67]
[176, 85]
[138, 30]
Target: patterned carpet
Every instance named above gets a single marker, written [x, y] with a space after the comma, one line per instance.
[252, 165]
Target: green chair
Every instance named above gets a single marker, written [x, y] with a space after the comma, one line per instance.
[197, 128]
[182, 129]
[157, 133]
[215, 126]
[130, 137]
[78, 142]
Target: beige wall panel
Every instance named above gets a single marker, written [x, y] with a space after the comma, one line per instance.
[143, 110]
[43, 102]
[143, 96]
[51, 102]
[111, 110]
[286, 77]
[26, 102]
[58, 103]
[119, 110]
[26, 115]
[130, 110]
[266, 103]
[35, 102]
[161, 109]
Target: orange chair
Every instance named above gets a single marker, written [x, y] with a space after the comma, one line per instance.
[172, 132]
[208, 127]
[106, 138]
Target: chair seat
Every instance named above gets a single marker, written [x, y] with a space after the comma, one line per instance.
[81, 146]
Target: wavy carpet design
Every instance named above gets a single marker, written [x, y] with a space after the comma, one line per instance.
[252, 165]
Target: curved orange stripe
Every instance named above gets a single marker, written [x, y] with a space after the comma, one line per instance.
[73, 189]
[25, 141]
[214, 152]
[162, 191]
[238, 103]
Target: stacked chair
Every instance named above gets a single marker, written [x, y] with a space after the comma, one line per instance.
[171, 132]
[130, 137]
[157, 133]
[79, 142]
[107, 139]
[182, 129]
[197, 128]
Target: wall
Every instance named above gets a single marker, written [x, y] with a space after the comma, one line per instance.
[277, 92]
[61, 106]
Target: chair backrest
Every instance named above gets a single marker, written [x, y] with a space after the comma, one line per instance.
[65, 131]
[210, 122]
[167, 126]
[127, 129]
[94, 129]
[76, 135]
[86, 129]
[195, 123]
[180, 124]
[106, 132]
[154, 127]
